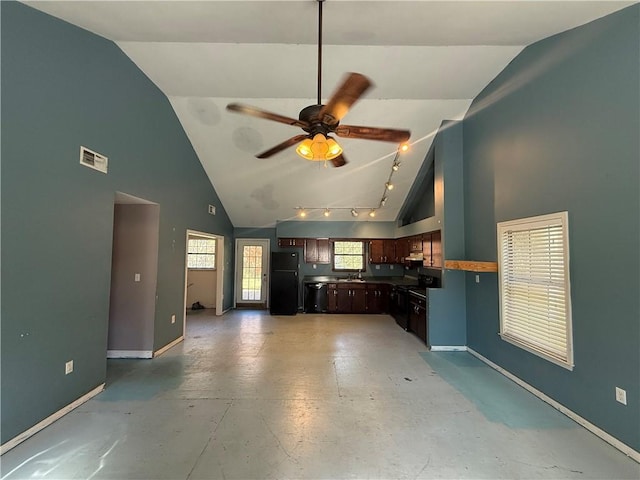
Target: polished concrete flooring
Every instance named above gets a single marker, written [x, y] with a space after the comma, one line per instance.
[251, 396]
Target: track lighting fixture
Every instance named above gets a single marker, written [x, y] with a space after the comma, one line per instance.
[388, 186]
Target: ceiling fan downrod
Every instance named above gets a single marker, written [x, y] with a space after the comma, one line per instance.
[320, 2]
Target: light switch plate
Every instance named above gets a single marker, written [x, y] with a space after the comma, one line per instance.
[136, 277]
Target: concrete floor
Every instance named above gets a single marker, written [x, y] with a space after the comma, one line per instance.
[248, 396]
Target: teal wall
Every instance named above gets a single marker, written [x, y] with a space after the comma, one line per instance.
[447, 305]
[63, 87]
[358, 229]
[558, 130]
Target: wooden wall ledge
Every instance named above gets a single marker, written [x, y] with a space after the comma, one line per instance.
[471, 266]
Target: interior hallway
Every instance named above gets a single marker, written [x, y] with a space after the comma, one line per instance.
[248, 395]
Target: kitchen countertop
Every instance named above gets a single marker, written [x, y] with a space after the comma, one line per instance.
[365, 279]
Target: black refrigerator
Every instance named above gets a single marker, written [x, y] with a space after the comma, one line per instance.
[283, 294]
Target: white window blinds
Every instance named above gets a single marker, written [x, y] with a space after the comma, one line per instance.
[535, 303]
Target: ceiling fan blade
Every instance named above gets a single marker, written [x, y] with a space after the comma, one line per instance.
[257, 112]
[373, 133]
[346, 95]
[339, 161]
[282, 146]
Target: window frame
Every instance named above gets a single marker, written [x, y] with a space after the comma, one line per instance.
[362, 255]
[550, 285]
[214, 255]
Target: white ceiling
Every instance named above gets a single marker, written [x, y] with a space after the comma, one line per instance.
[427, 59]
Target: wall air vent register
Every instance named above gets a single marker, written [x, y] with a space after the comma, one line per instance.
[94, 160]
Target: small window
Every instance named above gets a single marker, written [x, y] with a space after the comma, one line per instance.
[535, 297]
[201, 253]
[348, 256]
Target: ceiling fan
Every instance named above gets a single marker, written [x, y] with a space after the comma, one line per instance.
[318, 120]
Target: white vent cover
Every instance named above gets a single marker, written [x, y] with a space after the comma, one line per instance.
[94, 160]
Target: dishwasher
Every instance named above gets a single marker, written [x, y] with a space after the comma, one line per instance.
[315, 297]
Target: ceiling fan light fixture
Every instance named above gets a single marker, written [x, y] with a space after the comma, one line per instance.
[334, 149]
[304, 149]
[319, 149]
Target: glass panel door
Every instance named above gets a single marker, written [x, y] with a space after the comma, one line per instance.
[252, 271]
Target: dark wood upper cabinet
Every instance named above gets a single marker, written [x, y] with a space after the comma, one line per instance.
[316, 250]
[382, 251]
[432, 249]
[415, 244]
[401, 249]
[426, 250]
[436, 249]
[376, 251]
[290, 242]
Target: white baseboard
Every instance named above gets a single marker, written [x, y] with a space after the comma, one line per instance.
[129, 354]
[448, 348]
[168, 346]
[18, 439]
[624, 448]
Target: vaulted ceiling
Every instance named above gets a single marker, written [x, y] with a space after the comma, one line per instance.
[427, 60]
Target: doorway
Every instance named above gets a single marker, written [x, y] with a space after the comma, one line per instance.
[252, 272]
[203, 272]
[134, 272]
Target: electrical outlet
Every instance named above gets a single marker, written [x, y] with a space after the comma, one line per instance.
[621, 395]
[68, 367]
[477, 278]
[173, 318]
[212, 209]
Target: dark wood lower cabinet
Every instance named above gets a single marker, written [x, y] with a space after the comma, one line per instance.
[418, 317]
[354, 297]
[377, 298]
[332, 300]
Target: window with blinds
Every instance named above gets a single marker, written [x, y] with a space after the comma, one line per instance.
[535, 297]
